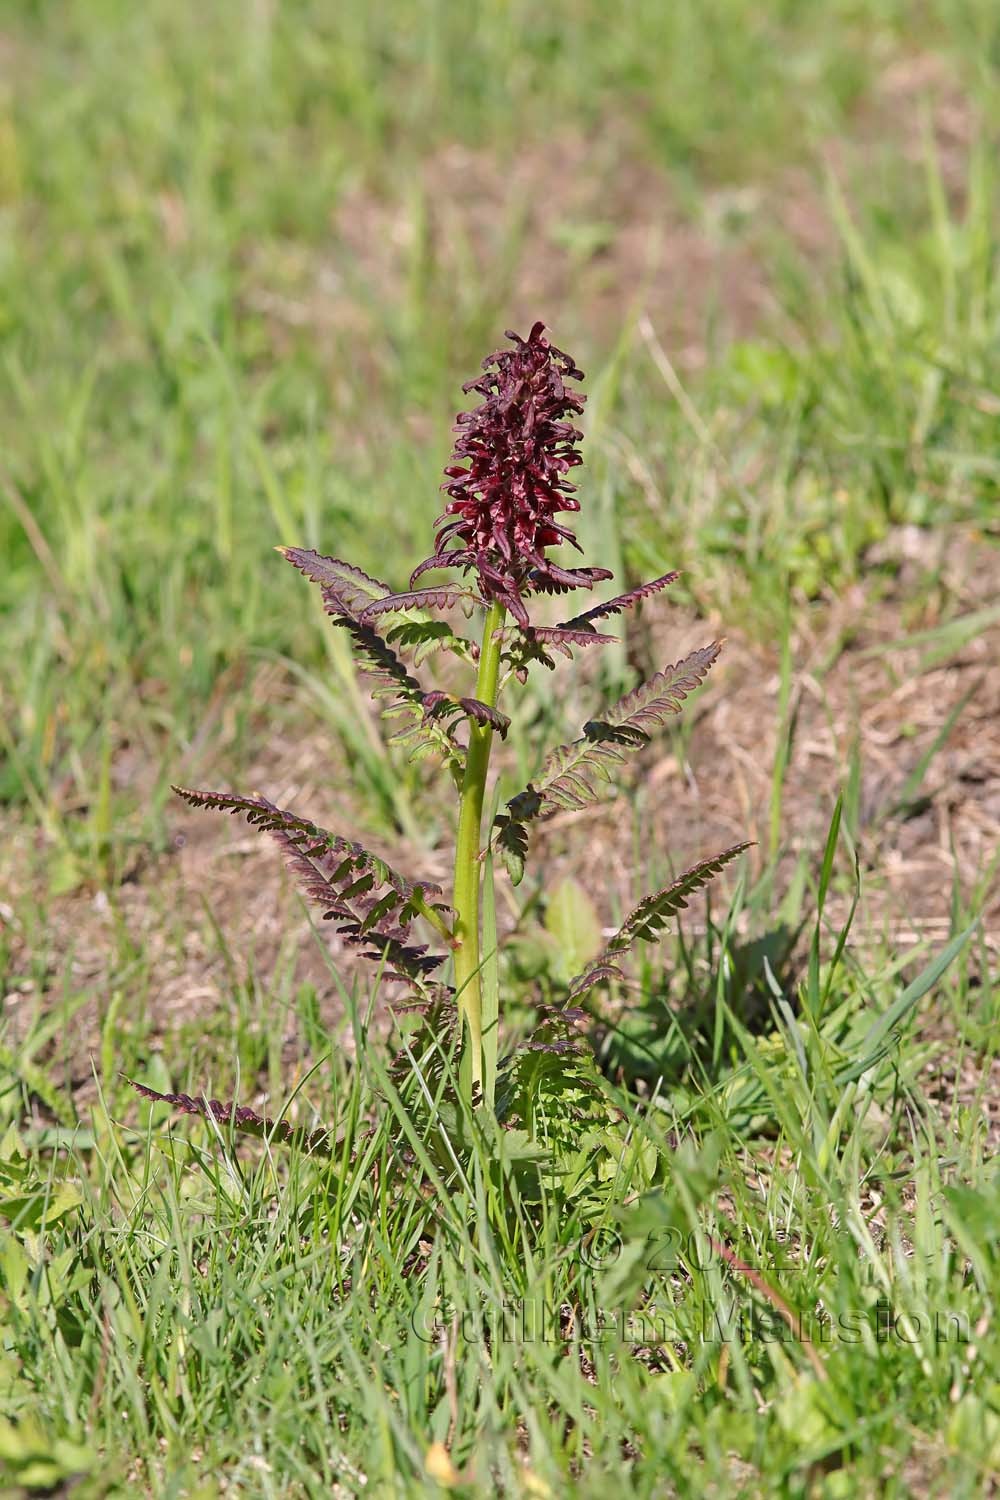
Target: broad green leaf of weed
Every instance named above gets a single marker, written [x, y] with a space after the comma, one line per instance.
[973, 1216]
[31, 1211]
[572, 921]
[35, 1460]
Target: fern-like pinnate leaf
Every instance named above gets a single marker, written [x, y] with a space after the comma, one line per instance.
[371, 904]
[571, 774]
[354, 589]
[444, 597]
[308, 836]
[425, 637]
[560, 636]
[564, 580]
[378, 660]
[511, 840]
[435, 563]
[445, 705]
[526, 644]
[623, 601]
[402, 693]
[240, 1117]
[348, 593]
[647, 706]
[647, 921]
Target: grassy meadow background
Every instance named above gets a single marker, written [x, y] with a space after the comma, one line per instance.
[249, 251]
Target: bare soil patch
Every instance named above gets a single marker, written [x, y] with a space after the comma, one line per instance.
[583, 224]
[591, 230]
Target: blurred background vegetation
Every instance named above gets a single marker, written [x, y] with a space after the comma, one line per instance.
[249, 249]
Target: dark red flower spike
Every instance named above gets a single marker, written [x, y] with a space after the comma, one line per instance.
[507, 477]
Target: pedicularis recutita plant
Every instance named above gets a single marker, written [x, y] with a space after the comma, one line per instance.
[509, 491]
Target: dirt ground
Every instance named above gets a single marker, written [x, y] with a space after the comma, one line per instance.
[594, 214]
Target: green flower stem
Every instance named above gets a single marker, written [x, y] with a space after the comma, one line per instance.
[468, 870]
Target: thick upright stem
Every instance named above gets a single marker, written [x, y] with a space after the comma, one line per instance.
[468, 871]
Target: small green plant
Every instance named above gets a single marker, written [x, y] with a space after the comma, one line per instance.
[507, 486]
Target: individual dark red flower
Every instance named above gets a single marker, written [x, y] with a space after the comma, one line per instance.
[507, 477]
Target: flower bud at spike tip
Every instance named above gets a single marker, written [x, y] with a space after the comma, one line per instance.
[507, 477]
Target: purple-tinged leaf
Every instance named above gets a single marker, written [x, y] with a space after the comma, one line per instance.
[436, 700]
[570, 775]
[320, 881]
[526, 805]
[646, 922]
[309, 838]
[375, 657]
[354, 589]
[599, 972]
[405, 962]
[554, 1029]
[622, 602]
[524, 645]
[562, 580]
[437, 1001]
[445, 597]
[347, 594]
[555, 635]
[511, 838]
[435, 563]
[239, 1117]
[392, 682]
[556, 1045]
[438, 704]
[377, 914]
[484, 714]
[648, 705]
[371, 904]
